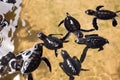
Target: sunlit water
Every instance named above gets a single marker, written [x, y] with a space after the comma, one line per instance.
[44, 15]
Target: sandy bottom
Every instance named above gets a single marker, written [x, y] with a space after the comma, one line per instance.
[45, 15]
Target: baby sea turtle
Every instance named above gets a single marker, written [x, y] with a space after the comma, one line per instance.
[51, 42]
[4, 61]
[72, 65]
[73, 26]
[103, 15]
[93, 41]
[31, 60]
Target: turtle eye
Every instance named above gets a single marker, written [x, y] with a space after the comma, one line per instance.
[90, 12]
[87, 12]
[67, 14]
[26, 63]
[39, 35]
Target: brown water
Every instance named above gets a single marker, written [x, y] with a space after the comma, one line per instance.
[44, 16]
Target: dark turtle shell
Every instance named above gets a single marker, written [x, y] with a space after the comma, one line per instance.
[105, 14]
[95, 41]
[31, 58]
[71, 66]
[53, 43]
[71, 24]
[32, 63]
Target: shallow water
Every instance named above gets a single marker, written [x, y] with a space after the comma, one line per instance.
[44, 16]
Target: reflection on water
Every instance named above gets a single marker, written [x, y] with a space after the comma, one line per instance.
[7, 42]
[8, 26]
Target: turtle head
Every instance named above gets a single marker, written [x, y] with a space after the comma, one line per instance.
[65, 54]
[41, 35]
[38, 46]
[67, 14]
[78, 34]
[107, 41]
[80, 41]
[90, 12]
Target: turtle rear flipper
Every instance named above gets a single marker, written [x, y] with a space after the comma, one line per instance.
[95, 23]
[101, 48]
[71, 78]
[114, 22]
[60, 23]
[98, 7]
[83, 55]
[65, 37]
[29, 76]
[47, 62]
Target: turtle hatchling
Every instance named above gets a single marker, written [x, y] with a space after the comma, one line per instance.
[72, 65]
[51, 42]
[93, 41]
[31, 60]
[103, 15]
[73, 26]
[4, 61]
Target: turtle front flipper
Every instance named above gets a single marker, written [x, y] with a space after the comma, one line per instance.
[98, 7]
[29, 76]
[84, 69]
[83, 55]
[51, 35]
[56, 53]
[2, 68]
[95, 23]
[87, 30]
[47, 62]
[60, 23]
[114, 22]
[61, 65]
[91, 35]
[65, 37]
